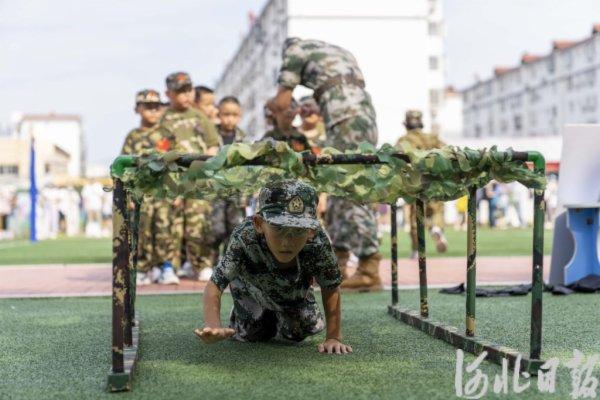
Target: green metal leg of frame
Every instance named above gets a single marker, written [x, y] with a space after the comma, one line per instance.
[122, 381]
[125, 328]
[423, 303]
[471, 262]
[394, 253]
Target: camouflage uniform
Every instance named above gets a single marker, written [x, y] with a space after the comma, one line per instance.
[190, 132]
[417, 139]
[318, 135]
[226, 214]
[270, 302]
[349, 117]
[317, 138]
[152, 243]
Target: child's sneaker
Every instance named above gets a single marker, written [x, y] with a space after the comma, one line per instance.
[441, 245]
[168, 276]
[205, 274]
[155, 274]
[186, 271]
[142, 279]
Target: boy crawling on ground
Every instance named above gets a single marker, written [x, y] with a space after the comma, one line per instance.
[270, 264]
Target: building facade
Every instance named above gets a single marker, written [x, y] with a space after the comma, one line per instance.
[64, 131]
[399, 47]
[538, 96]
[52, 162]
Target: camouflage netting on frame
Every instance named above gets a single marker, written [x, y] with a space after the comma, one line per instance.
[440, 174]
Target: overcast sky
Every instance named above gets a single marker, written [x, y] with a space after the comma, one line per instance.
[89, 57]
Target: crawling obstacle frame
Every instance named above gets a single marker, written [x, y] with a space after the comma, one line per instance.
[126, 325]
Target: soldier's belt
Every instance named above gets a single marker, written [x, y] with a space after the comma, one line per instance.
[337, 80]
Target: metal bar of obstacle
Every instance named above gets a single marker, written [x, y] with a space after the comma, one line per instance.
[471, 261]
[424, 307]
[537, 286]
[134, 259]
[128, 317]
[308, 158]
[120, 261]
[394, 252]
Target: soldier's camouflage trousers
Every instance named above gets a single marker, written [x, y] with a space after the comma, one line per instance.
[352, 227]
[253, 321]
[154, 239]
[190, 229]
[350, 132]
[225, 215]
[434, 216]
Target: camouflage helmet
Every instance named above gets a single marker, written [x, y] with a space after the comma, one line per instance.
[290, 41]
[289, 203]
[413, 119]
[178, 80]
[147, 96]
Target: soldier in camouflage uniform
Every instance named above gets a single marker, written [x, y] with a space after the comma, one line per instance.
[312, 124]
[434, 210]
[190, 132]
[227, 213]
[349, 117]
[154, 234]
[270, 265]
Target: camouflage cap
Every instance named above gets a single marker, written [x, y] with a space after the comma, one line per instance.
[416, 114]
[178, 80]
[147, 96]
[290, 41]
[289, 203]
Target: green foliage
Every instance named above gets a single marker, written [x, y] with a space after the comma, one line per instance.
[439, 174]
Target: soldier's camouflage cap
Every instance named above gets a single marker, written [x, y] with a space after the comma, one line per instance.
[178, 80]
[289, 203]
[147, 96]
[416, 114]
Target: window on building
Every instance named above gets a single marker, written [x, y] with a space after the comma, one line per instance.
[9, 170]
[590, 50]
[433, 63]
[477, 131]
[503, 125]
[434, 96]
[518, 123]
[550, 64]
[532, 119]
[434, 28]
[568, 59]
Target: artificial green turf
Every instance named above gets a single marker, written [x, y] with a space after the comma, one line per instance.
[497, 242]
[59, 348]
[57, 251]
[82, 250]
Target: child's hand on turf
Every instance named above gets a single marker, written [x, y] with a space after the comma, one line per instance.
[213, 335]
[334, 346]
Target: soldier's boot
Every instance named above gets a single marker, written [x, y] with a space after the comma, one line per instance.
[343, 256]
[366, 278]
